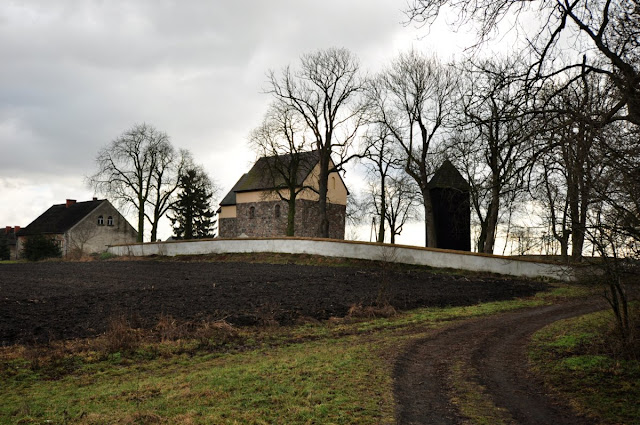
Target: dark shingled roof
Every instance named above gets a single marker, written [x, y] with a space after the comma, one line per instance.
[260, 178]
[230, 198]
[60, 218]
[448, 177]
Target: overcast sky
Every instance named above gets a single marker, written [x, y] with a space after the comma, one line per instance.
[76, 74]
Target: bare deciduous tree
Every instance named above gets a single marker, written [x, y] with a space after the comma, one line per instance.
[165, 183]
[324, 91]
[281, 140]
[381, 160]
[402, 203]
[606, 30]
[493, 143]
[414, 100]
[140, 169]
[614, 230]
[568, 168]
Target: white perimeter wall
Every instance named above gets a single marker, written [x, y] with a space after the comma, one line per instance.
[360, 250]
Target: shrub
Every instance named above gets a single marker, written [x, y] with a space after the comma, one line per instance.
[4, 249]
[106, 255]
[39, 247]
[120, 336]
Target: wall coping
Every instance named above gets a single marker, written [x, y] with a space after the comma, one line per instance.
[404, 254]
[379, 244]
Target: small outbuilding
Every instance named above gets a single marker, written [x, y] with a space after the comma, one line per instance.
[80, 228]
[451, 203]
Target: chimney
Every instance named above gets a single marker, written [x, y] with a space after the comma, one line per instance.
[70, 202]
[16, 229]
[7, 230]
[95, 199]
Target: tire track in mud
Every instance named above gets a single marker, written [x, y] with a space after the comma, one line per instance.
[493, 351]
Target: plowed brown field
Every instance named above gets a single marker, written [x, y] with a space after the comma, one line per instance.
[55, 300]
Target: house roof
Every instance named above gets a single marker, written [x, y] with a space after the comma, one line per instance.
[60, 218]
[448, 177]
[259, 176]
[230, 198]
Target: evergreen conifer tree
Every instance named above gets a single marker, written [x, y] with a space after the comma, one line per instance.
[192, 213]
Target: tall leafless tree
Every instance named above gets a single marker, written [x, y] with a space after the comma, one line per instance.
[568, 165]
[139, 168]
[493, 145]
[324, 91]
[402, 203]
[165, 183]
[414, 98]
[614, 229]
[282, 141]
[382, 161]
[605, 31]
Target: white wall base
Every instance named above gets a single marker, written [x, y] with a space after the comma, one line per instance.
[359, 250]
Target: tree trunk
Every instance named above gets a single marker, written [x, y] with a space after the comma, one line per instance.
[291, 214]
[383, 208]
[323, 180]
[491, 222]
[140, 223]
[482, 238]
[154, 231]
[431, 238]
[564, 248]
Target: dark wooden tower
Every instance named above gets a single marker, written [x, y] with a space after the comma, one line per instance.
[451, 208]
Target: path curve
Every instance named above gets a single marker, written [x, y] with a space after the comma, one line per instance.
[493, 352]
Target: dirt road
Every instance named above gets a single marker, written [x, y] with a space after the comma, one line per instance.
[488, 355]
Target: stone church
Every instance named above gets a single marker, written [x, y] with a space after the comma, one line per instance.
[253, 208]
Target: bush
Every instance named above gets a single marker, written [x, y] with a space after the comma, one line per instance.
[5, 254]
[106, 255]
[39, 247]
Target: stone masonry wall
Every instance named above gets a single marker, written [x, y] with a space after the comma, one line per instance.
[265, 223]
[227, 228]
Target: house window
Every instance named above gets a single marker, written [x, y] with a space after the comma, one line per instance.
[277, 211]
[100, 220]
[109, 221]
[252, 212]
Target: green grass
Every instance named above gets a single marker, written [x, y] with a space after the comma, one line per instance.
[472, 399]
[337, 381]
[581, 358]
[337, 372]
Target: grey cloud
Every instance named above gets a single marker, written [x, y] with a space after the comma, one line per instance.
[76, 74]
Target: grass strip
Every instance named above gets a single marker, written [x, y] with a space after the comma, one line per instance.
[472, 399]
[580, 359]
[337, 372]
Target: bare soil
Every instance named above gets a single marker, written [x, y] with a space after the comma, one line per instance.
[493, 352]
[42, 302]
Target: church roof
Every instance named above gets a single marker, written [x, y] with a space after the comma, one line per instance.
[448, 177]
[260, 176]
